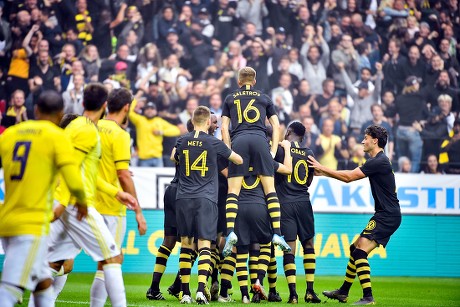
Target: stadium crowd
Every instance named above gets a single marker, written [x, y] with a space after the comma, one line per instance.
[335, 65]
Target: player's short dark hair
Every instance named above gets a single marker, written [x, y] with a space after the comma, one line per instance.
[201, 115]
[297, 128]
[67, 119]
[118, 98]
[377, 132]
[50, 102]
[94, 96]
[190, 126]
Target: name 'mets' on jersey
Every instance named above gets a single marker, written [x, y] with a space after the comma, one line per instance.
[198, 152]
[290, 187]
[31, 152]
[247, 109]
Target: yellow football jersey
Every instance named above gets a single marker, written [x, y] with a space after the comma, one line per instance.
[116, 154]
[84, 136]
[31, 152]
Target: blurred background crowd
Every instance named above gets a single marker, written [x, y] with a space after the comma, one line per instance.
[335, 65]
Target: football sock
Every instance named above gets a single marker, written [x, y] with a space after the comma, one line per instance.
[160, 266]
[226, 274]
[242, 272]
[213, 264]
[290, 272]
[114, 284]
[231, 210]
[264, 261]
[363, 270]
[272, 272]
[253, 264]
[58, 284]
[44, 298]
[350, 273]
[98, 291]
[309, 265]
[273, 205]
[185, 266]
[9, 295]
[204, 261]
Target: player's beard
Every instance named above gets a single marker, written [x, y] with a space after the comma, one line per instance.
[125, 120]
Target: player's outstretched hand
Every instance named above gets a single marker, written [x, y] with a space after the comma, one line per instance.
[127, 199]
[141, 223]
[315, 164]
[82, 211]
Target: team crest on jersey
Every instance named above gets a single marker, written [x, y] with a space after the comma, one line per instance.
[371, 225]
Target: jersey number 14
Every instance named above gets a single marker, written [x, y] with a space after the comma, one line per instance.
[195, 167]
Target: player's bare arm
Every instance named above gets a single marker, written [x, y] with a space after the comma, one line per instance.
[274, 121]
[74, 182]
[235, 158]
[286, 167]
[345, 176]
[225, 131]
[127, 184]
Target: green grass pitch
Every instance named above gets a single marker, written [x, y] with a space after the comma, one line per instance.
[388, 291]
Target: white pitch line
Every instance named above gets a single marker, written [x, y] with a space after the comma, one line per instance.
[87, 303]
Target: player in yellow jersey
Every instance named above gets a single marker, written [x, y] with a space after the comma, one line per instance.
[113, 168]
[92, 234]
[32, 153]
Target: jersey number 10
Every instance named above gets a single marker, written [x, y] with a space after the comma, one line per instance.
[295, 172]
[21, 154]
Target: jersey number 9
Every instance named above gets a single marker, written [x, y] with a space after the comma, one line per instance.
[245, 113]
[21, 154]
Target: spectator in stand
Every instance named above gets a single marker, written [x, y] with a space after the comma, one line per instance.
[279, 46]
[91, 62]
[258, 60]
[404, 165]
[162, 23]
[73, 98]
[295, 67]
[245, 39]
[410, 107]
[311, 136]
[282, 95]
[300, 22]
[150, 130]
[346, 54]
[134, 23]
[450, 151]
[316, 59]
[357, 157]
[388, 106]
[436, 66]
[199, 56]
[432, 166]
[235, 55]
[282, 69]
[102, 36]
[253, 11]
[71, 37]
[414, 66]
[379, 120]
[172, 45]
[281, 13]
[303, 97]
[190, 106]
[338, 114]
[226, 21]
[17, 112]
[393, 67]
[322, 101]
[83, 22]
[5, 39]
[450, 62]
[363, 100]
[43, 75]
[149, 62]
[437, 127]
[440, 87]
[328, 144]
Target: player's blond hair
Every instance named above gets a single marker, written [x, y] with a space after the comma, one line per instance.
[201, 115]
[246, 75]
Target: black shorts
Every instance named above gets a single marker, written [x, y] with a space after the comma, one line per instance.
[197, 217]
[381, 227]
[255, 151]
[252, 224]
[297, 220]
[170, 225]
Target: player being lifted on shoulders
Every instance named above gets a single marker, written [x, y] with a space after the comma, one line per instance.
[246, 110]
